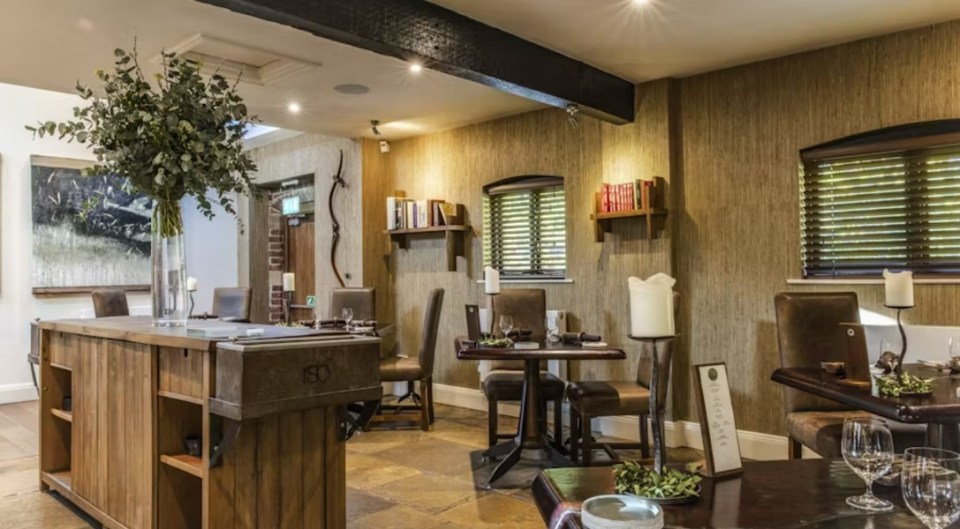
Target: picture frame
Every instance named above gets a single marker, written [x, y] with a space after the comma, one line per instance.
[718, 425]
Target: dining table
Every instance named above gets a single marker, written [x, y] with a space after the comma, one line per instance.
[531, 440]
[940, 410]
[767, 494]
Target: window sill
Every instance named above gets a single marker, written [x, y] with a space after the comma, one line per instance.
[878, 281]
[534, 281]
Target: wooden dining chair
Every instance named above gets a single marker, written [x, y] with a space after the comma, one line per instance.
[808, 333]
[110, 302]
[232, 304]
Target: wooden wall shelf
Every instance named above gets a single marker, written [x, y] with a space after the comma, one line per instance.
[455, 237]
[653, 216]
[190, 464]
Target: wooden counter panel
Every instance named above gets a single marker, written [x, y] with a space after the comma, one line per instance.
[181, 371]
[279, 474]
[113, 453]
[63, 350]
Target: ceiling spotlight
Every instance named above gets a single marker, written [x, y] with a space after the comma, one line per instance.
[416, 67]
[373, 126]
[294, 108]
[640, 2]
[573, 111]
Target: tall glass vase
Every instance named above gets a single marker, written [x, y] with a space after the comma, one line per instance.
[171, 305]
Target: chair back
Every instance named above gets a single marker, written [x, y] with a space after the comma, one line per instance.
[809, 332]
[112, 302]
[528, 306]
[232, 303]
[361, 300]
[664, 350]
[431, 327]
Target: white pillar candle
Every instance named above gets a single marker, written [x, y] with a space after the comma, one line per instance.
[289, 282]
[191, 284]
[899, 288]
[491, 279]
[651, 306]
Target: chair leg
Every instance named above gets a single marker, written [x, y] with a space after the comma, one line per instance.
[558, 422]
[491, 421]
[33, 375]
[794, 449]
[644, 437]
[424, 408]
[574, 435]
[587, 435]
[433, 416]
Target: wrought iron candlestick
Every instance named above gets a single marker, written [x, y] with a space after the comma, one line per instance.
[191, 303]
[898, 370]
[659, 452]
[287, 298]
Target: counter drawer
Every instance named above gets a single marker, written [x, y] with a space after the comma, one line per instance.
[181, 372]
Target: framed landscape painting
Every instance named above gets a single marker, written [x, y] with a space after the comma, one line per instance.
[89, 232]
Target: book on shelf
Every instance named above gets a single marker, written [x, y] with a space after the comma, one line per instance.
[408, 214]
[640, 194]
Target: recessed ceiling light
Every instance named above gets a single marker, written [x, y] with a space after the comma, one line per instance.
[353, 89]
[294, 108]
[416, 67]
[641, 2]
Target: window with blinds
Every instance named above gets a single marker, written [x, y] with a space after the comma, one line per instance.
[524, 227]
[885, 199]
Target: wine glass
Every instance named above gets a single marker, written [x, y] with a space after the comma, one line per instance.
[930, 481]
[953, 346]
[346, 314]
[506, 325]
[867, 448]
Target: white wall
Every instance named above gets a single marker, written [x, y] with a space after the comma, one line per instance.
[211, 246]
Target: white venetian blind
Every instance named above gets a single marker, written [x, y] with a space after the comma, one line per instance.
[893, 204]
[524, 228]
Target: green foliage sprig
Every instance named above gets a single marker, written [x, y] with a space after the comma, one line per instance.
[178, 137]
[892, 386]
[631, 477]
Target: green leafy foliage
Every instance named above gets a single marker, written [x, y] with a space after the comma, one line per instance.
[892, 386]
[499, 343]
[177, 137]
[631, 477]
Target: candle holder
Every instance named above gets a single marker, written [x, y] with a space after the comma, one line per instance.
[898, 370]
[191, 303]
[659, 452]
[287, 298]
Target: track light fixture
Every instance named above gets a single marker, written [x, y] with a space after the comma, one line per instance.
[573, 111]
[373, 126]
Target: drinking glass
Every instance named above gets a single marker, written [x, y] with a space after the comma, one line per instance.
[930, 481]
[867, 448]
[506, 325]
[953, 346]
[346, 314]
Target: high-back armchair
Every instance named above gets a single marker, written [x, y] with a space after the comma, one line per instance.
[232, 304]
[361, 300]
[110, 302]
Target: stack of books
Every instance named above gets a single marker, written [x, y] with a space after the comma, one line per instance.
[406, 214]
[626, 196]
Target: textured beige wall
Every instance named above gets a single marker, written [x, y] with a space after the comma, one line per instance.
[738, 236]
[454, 165]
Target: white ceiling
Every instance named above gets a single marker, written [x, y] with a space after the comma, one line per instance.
[51, 43]
[664, 38]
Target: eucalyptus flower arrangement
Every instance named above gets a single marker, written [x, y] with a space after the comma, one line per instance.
[179, 136]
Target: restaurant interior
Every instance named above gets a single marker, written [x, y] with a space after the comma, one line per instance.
[574, 264]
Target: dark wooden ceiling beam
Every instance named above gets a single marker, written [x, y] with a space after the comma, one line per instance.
[454, 44]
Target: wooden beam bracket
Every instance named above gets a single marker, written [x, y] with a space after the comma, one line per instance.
[228, 436]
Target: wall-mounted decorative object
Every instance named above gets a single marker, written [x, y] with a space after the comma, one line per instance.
[88, 231]
[717, 423]
[338, 181]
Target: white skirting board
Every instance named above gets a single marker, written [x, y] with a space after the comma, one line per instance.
[12, 393]
[753, 445]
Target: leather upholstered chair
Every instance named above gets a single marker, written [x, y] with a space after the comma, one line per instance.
[591, 399]
[108, 303]
[232, 304]
[361, 300]
[419, 368]
[504, 381]
[809, 332]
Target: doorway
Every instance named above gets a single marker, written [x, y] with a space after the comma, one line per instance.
[301, 253]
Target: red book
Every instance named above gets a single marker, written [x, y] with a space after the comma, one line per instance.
[605, 198]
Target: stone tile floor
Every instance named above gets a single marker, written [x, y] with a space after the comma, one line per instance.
[396, 479]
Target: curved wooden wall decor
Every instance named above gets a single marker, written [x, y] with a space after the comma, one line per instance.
[338, 181]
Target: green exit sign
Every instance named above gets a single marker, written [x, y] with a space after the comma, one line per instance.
[291, 205]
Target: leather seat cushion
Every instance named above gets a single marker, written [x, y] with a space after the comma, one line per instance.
[400, 369]
[822, 431]
[609, 398]
[508, 385]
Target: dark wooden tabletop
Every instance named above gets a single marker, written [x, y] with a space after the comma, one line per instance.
[547, 351]
[942, 407]
[769, 494]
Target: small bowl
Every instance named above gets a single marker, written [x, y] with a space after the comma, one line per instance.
[617, 511]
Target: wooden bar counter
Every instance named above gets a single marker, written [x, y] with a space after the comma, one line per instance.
[269, 411]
